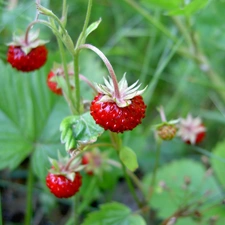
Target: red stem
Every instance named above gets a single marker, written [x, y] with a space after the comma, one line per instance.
[108, 65]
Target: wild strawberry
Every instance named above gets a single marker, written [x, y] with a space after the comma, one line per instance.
[167, 131]
[118, 110]
[63, 187]
[191, 130]
[53, 85]
[86, 161]
[56, 80]
[27, 54]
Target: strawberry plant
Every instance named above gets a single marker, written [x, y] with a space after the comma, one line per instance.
[111, 112]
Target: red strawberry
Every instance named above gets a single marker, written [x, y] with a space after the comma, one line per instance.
[27, 53]
[199, 137]
[85, 161]
[35, 59]
[191, 130]
[61, 186]
[53, 85]
[117, 107]
[118, 119]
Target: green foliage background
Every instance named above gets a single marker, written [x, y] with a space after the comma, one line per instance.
[134, 42]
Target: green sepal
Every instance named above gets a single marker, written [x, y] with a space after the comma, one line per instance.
[129, 158]
[79, 131]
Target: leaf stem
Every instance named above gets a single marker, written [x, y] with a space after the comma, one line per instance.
[156, 166]
[131, 187]
[117, 144]
[30, 183]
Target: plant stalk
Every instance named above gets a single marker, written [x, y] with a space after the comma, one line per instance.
[64, 63]
[30, 183]
[156, 166]
[117, 143]
[108, 65]
[76, 56]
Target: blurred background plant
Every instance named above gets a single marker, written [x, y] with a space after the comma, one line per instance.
[176, 48]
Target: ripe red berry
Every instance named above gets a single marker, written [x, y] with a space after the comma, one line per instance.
[118, 119]
[199, 136]
[35, 59]
[53, 85]
[191, 130]
[61, 186]
[85, 161]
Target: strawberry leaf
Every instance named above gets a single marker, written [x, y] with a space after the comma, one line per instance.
[113, 214]
[218, 162]
[170, 189]
[30, 116]
[129, 158]
[77, 131]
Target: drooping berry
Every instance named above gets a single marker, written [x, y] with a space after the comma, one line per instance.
[118, 115]
[63, 187]
[27, 54]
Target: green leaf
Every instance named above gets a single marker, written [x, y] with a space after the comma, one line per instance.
[129, 158]
[29, 116]
[217, 164]
[92, 27]
[175, 194]
[77, 131]
[113, 214]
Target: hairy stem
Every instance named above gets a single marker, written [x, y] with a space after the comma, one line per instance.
[108, 65]
[76, 56]
[64, 62]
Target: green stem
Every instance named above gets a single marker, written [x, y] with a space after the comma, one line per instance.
[80, 40]
[151, 19]
[107, 64]
[131, 187]
[30, 183]
[117, 143]
[1, 221]
[76, 79]
[64, 63]
[156, 166]
[198, 55]
[75, 204]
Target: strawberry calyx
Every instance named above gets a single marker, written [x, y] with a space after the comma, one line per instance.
[59, 75]
[191, 130]
[95, 162]
[126, 93]
[27, 43]
[61, 167]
